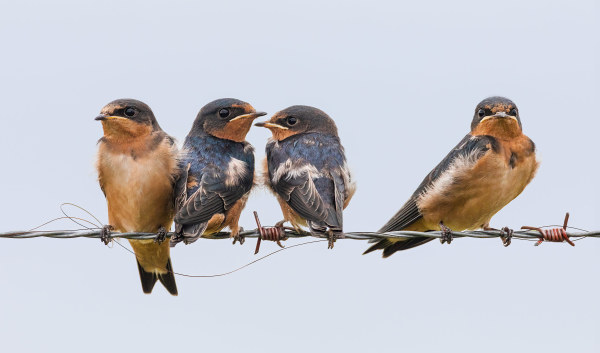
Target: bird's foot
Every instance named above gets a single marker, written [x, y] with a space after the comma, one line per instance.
[176, 238]
[506, 235]
[235, 234]
[332, 237]
[446, 234]
[105, 235]
[161, 235]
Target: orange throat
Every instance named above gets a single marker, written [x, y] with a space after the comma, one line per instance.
[502, 128]
[234, 130]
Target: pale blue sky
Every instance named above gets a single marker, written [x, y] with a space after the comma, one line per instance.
[400, 79]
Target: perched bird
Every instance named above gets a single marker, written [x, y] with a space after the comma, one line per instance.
[136, 169]
[217, 167]
[306, 170]
[483, 173]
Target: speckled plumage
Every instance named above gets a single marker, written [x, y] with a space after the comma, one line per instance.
[306, 169]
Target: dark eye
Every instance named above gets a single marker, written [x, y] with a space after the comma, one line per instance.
[129, 111]
[513, 112]
[481, 113]
[223, 113]
[291, 120]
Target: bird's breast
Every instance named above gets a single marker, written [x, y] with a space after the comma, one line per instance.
[139, 190]
[468, 195]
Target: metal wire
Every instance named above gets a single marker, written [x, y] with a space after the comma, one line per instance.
[481, 234]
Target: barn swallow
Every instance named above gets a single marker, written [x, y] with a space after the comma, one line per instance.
[136, 169]
[217, 171]
[306, 169]
[482, 174]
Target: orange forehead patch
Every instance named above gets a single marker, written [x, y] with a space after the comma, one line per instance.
[499, 107]
[247, 107]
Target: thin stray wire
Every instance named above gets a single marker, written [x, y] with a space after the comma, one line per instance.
[99, 225]
[175, 273]
[235, 270]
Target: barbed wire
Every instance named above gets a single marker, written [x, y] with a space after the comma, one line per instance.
[279, 233]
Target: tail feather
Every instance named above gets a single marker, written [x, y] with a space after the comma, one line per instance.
[149, 279]
[390, 246]
[168, 279]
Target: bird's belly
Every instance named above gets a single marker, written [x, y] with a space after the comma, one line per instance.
[138, 192]
[470, 201]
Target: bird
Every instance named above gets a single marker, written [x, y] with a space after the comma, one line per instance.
[488, 168]
[305, 167]
[137, 166]
[217, 171]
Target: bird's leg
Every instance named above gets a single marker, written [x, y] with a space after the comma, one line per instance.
[161, 235]
[105, 236]
[506, 234]
[332, 237]
[446, 234]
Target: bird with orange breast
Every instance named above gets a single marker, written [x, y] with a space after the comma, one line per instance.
[136, 167]
[486, 170]
[306, 169]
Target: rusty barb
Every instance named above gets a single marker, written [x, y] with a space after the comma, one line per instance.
[557, 235]
[276, 233]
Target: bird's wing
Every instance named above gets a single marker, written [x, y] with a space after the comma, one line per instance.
[296, 185]
[473, 147]
[216, 193]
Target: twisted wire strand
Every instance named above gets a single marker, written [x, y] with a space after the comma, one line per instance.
[255, 233]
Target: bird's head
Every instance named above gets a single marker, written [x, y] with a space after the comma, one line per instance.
[496, 116]
[226, 118]
[126, 119]
[299, 119]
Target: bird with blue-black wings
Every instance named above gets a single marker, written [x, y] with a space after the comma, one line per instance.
[306, 169]
[487, 169]
[217, 175]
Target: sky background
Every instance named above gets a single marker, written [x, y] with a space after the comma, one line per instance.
[401, 81]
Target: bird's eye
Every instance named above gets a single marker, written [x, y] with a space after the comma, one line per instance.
[129, 111]
[513, 112]
[481, 113]
[223, 113]
[291, 120]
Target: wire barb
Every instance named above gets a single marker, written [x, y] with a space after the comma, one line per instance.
[276, 233]
[557, 235]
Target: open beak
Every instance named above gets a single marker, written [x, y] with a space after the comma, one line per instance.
[248, 116]
[269, 125]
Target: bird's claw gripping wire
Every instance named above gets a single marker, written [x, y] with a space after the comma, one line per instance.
[506, 235]
[238, 237]
[105, 234]
[161, 235]
[557, 235]
[276, 233]
[446, 234]
[332, 237]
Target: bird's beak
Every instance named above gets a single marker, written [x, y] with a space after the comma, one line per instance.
[499, 115]
[103, 117]
[248, 116]
[269, 125]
